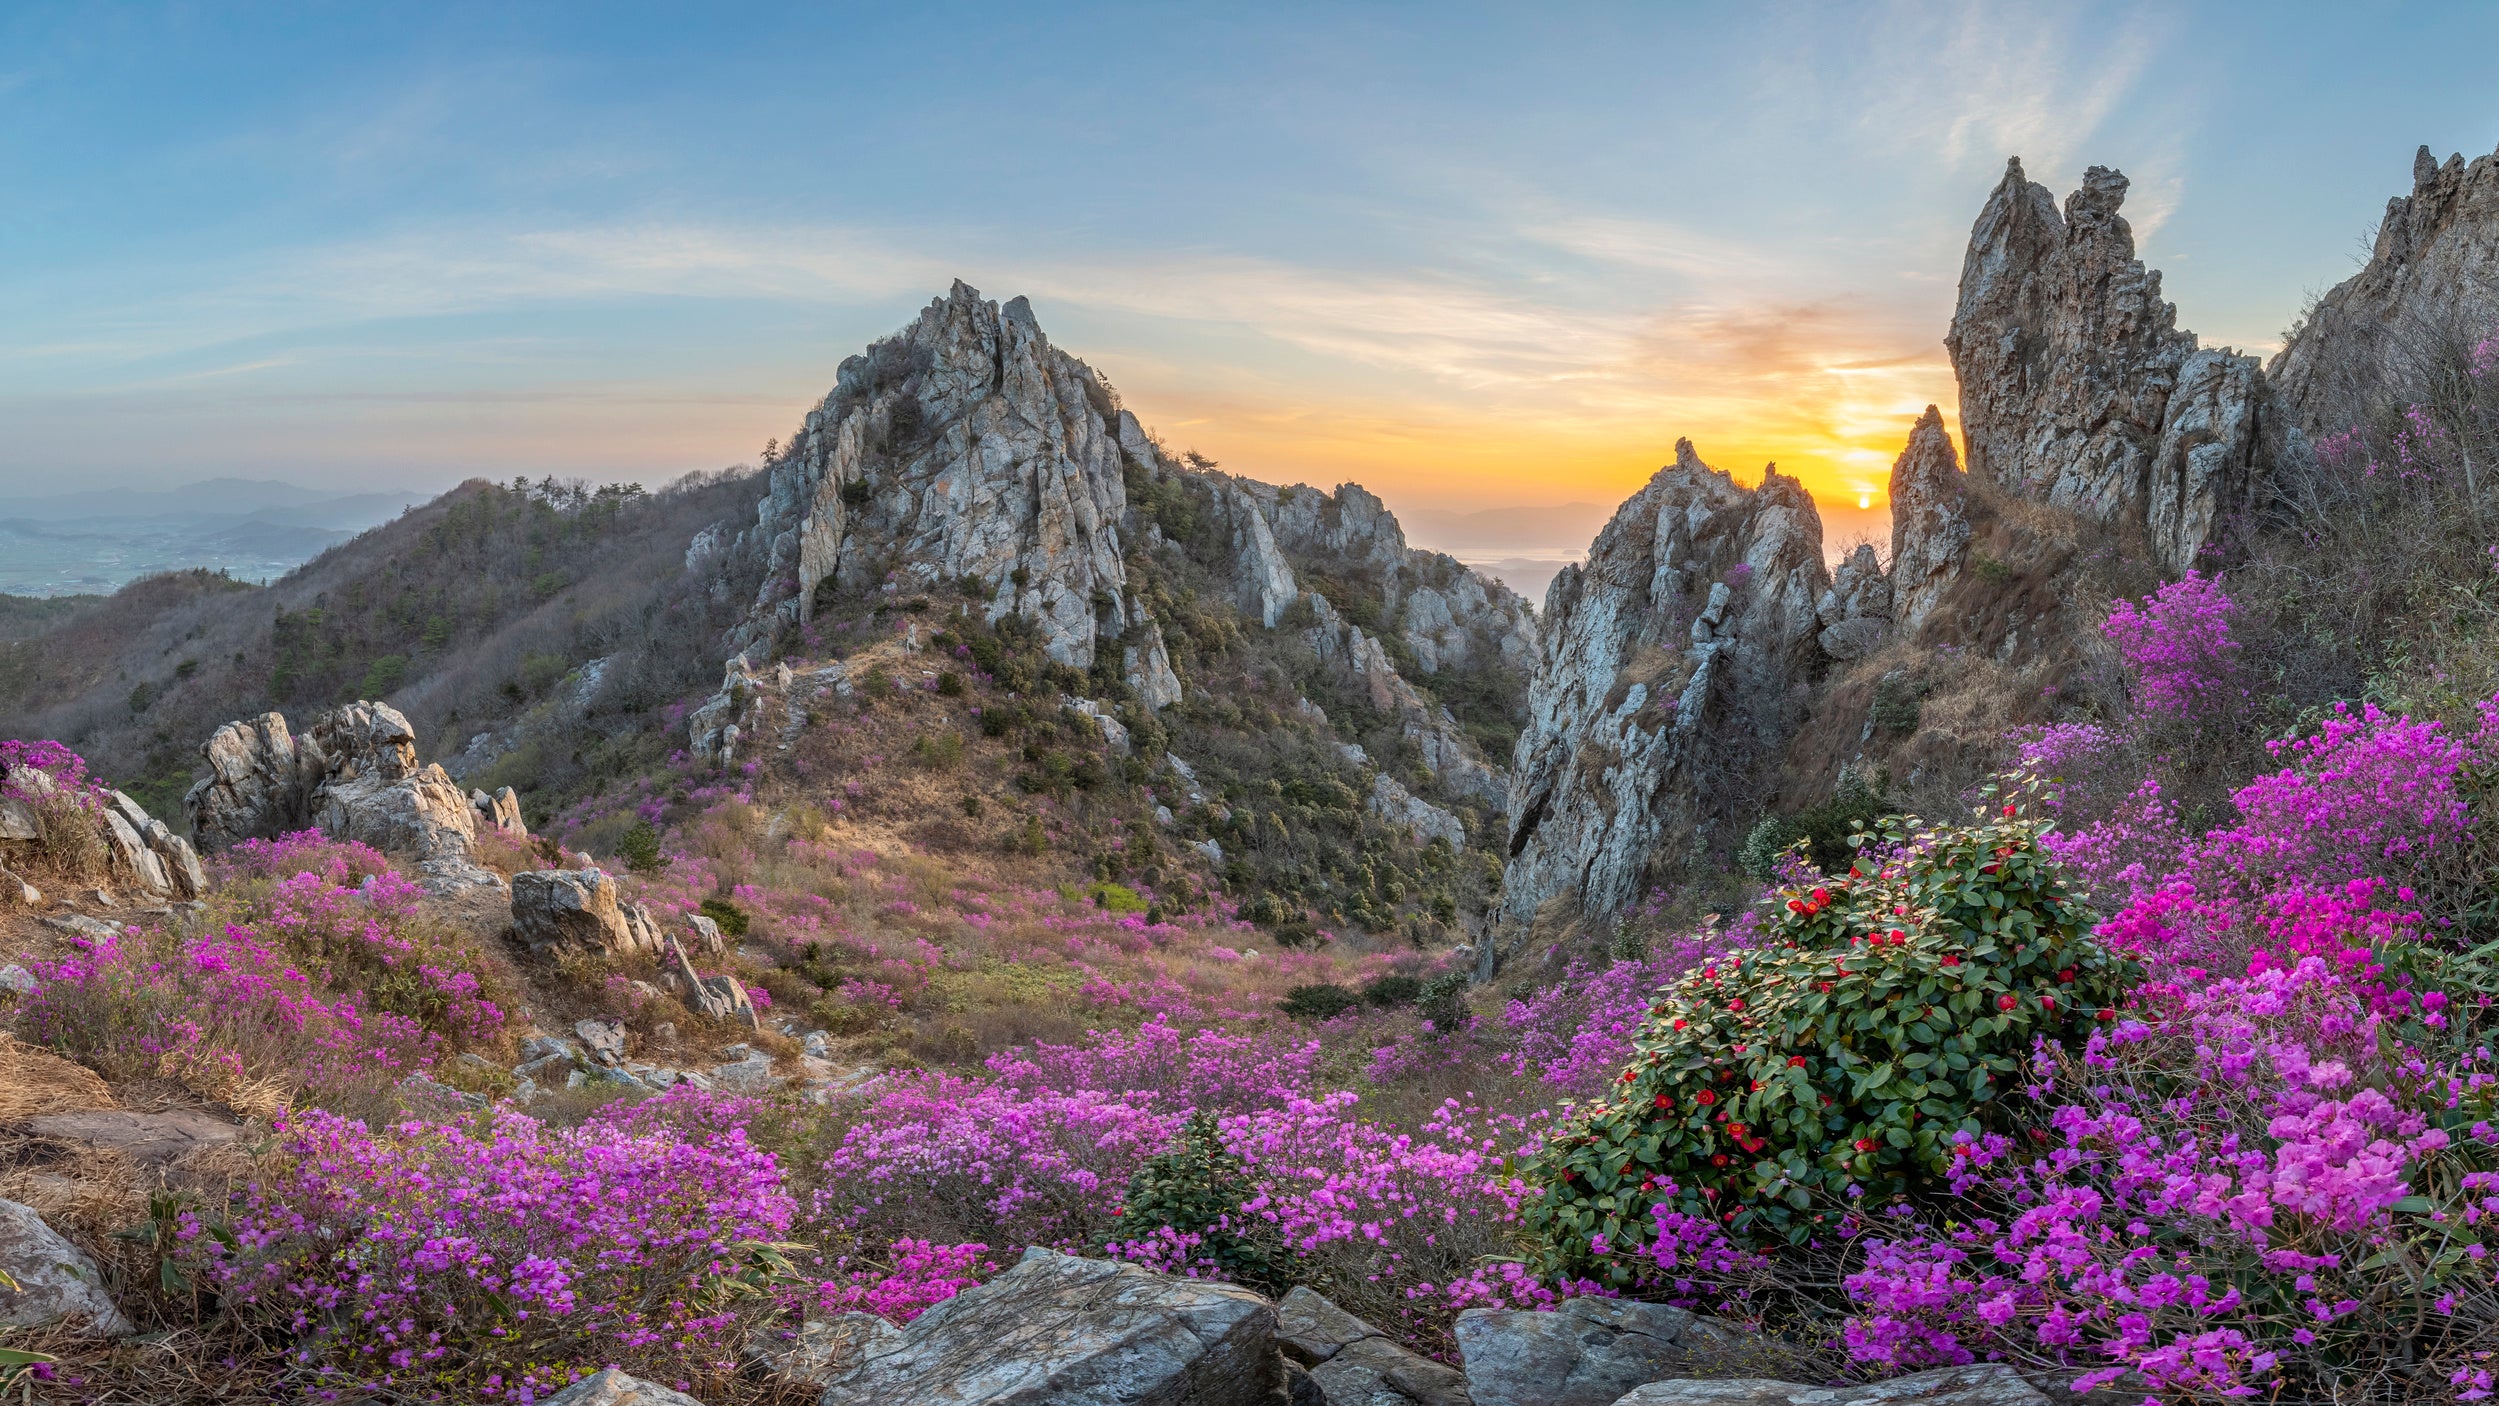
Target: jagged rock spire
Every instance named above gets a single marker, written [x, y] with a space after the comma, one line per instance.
[2078, 389]
[1930, 521]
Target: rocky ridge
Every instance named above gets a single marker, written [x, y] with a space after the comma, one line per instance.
[968, 452]
[1668, 670]
[1678, 663]
[2077, 387]
[2429, 290]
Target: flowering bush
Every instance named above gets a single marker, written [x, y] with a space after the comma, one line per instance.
[2177, 644]
[1886, 1012]
[505, 1261]
[223, 1012]
[2253, 1192]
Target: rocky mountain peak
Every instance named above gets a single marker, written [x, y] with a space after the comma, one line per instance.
[1662, 681]
[966, 446]
[2428, 294]
[1930, 521]
[2077, 387]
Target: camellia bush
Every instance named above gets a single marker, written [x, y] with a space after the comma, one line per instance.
[1884, 1013]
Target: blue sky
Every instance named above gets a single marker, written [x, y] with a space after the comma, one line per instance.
[1471, 256]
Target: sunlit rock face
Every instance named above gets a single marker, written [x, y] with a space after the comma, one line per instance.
[2428, 295]
[1671, 666]
[1930, 522]
[2077, 388]
[966, 446]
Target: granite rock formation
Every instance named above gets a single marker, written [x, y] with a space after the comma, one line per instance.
[966, 446]
[2077, 388]
[2429, 292]
[1673, 661]
[354, 775]
[1930, 522]
[1589, 1352]
[1057, 1330]
[967, 452]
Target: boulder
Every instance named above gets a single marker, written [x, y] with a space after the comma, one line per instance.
[576, 908]
[53, 1279]
[501, 810]
[152, 1139]
[610, 1387]
[355, 775]
[1057, 1330]
[15, 891]
[1985, 1384]
[605, 1039]
[259, 783]
[823, 1348]
[1310, 1328]
[1377, 1372]
[1587, 1352]
[18, 820]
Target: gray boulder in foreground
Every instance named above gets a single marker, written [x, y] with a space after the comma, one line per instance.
[1057, 1330]
[613, 1388]
[1588, 1352]
[54, 1279]
[1984, 1384]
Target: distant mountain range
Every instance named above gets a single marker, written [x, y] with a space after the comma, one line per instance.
[97, 540]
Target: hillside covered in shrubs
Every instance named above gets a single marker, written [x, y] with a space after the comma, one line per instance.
[1169, 872]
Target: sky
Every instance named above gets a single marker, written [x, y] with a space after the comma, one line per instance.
[1470, 256]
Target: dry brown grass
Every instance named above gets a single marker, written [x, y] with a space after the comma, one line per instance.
[34, 1082]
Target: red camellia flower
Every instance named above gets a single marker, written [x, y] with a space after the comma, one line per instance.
[1718, 1159]
[1736, 1005]
[2006, 1002]
[1795, 1061]
[1706, 1096]
[1627, 1075]
[2107, 1014]
[1796, 905]
[2047, 1002]
[2008, 810]
[1664, 1102]
[1822, 896]
[1678, 1025]
[1899, 937]
[1865, 1144]
[1952, 959]
[2066, 975]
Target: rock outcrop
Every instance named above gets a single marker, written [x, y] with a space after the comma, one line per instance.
[1982, 1384]
[2078, 389]
[354, 775]
[138, 848]
[966, 448]
[610, 1387]
[1352, 1363]
[1588, 1352]
[1672, 663]
[47, 1278]
[579, 908]
[1930, 523]
[1057, 1330]
[2428, 294]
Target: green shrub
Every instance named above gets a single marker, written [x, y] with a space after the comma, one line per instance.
[938, 751]
[1394, 991]
[1885, 1012]
[1116, 898]
[1825, 830]
[950, 685]
[1443, 999]
[732, 919]
[1197, 1189]
[640, 849]
[1322, 1002]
